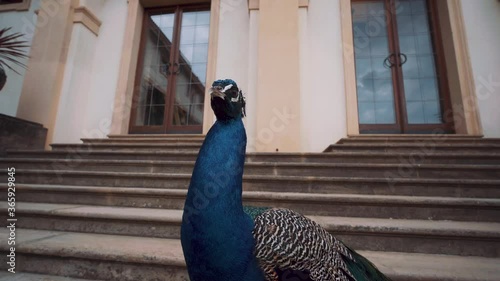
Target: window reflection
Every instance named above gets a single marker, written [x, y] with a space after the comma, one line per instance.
[190, 88]
[154, 81]
[187, 69]
[414, 46]
[419, 72]
[373, 80]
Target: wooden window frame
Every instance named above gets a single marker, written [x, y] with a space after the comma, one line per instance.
[128, 63]
[23, 6]
[468, 117]
[401, 125]
[167, 126]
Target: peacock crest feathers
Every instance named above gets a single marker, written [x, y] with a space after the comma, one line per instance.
[231, 102]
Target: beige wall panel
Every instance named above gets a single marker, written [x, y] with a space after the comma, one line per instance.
[251, 90]
[464, 68]
[323, 99]
[128, 65]
[213, 47]
[278, 100]
[43, 80]
[482, 23]
[452, 70]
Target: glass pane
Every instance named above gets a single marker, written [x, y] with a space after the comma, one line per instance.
[415, 112]
[419, 71]
[366, 113]
[407, 45]
[200, 53]
[365, 90]
[157, 114]
[373, 79]
[192, 69]
[384, 112]
[432, 112]
[154, 80]
[187, 52]
[412, 90]
[383, 90]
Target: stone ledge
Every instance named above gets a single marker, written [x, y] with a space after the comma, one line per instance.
[98, 248]
[21, 276]
[17, 133]
[334, 224]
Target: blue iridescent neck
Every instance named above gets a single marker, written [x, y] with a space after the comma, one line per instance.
[216, 183]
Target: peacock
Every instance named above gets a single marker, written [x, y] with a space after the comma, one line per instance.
[224, 241]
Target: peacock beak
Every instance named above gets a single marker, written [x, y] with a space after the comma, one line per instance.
[217, 92]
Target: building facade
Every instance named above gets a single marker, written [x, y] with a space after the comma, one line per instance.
[313, 71]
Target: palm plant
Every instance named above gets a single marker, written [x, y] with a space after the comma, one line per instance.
[11, 51]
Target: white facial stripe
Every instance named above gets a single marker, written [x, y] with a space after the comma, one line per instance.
[227, 88]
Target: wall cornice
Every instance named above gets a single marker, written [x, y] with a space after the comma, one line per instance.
[84, 16]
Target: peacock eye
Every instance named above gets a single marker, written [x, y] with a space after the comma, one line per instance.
[235, 96]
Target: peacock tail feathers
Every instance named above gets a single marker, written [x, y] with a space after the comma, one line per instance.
[288, 240]
[253, 211]
[362, 269]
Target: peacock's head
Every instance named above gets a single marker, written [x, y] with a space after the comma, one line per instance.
[227, 100]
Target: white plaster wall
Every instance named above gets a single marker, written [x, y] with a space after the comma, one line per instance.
[104, 76]
[24, 22]
[71, 112]
[323, 104]
[251, 91]
[233, 54]
[91, 76]
[96, 6]
[482, 22]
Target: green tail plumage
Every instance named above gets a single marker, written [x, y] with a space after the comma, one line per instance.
[362, 269]
[254, 211]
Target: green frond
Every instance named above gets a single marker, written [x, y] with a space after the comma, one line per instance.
[12, 49]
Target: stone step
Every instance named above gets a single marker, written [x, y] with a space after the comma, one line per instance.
[141, 222]
[97, 256]
[346, 205]
[423, 141]
[305, 184]
[129, 258]
[20, 276]
[176, 140]
[417, 148]
[331, 157]
[86, 148]
[462, 171]
[417, 236]
[387, 147]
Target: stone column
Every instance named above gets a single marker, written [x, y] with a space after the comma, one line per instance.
[278, 88]
[43, 80]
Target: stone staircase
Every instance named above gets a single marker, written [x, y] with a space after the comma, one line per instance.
[423, 208]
